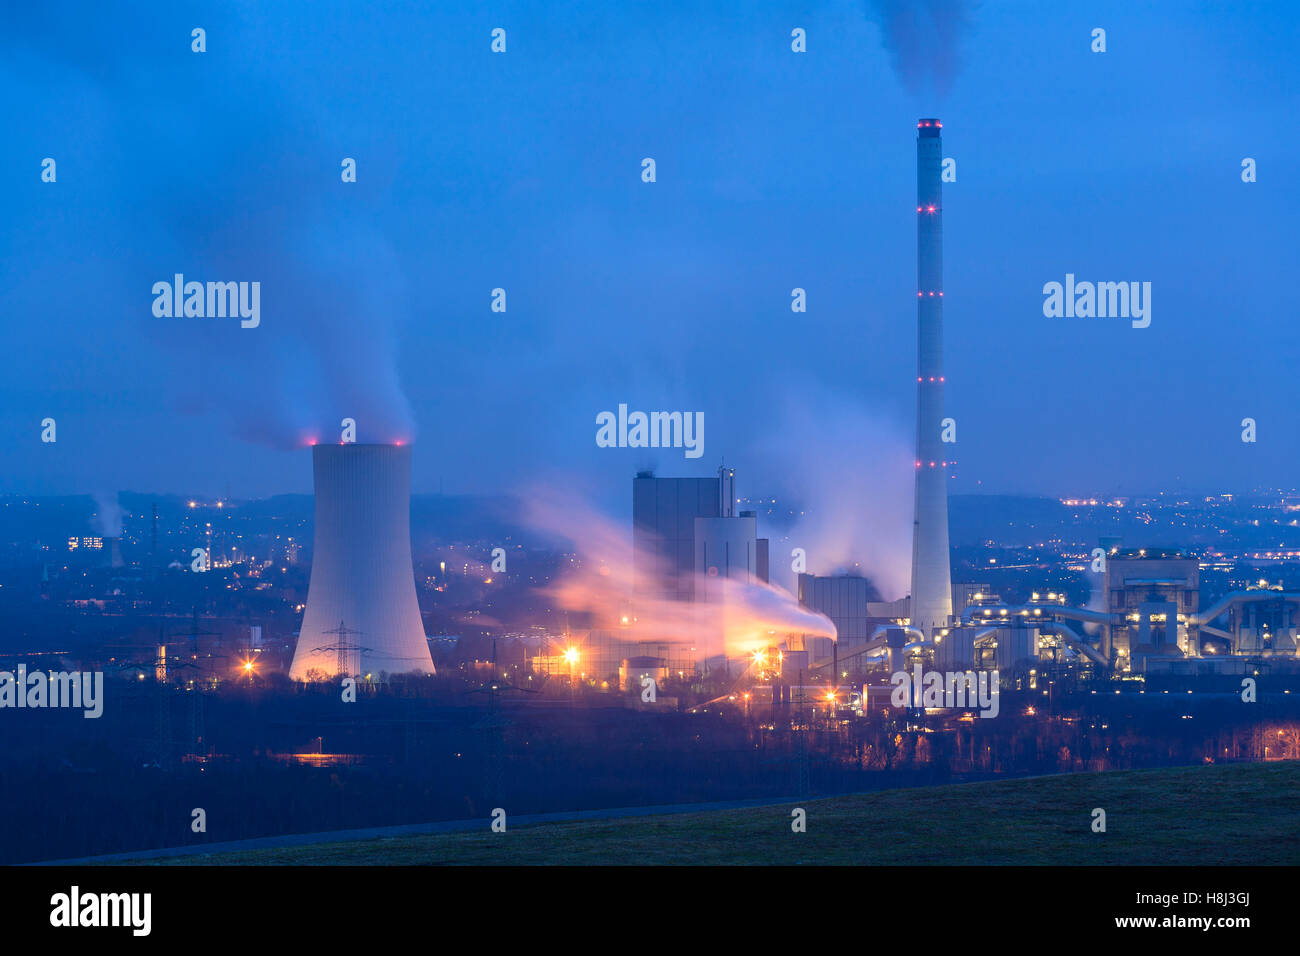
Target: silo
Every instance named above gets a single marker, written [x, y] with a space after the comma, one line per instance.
[726, 549]
[362, 615]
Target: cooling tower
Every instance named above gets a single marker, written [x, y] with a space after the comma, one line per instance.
[361, 603]
[931, 576]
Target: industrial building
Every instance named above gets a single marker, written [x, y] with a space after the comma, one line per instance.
[854, 607]
[664, 514]
[689, 542]
[362, 616]
[663, 531]
[1151, 623]
[687, 528]
[725, 549]
[843, 598]
[1144, 617]
[1148, 619]
[1151, 596]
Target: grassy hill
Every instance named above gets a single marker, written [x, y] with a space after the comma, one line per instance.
[1233, 814]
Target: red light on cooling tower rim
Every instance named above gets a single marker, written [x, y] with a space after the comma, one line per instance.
[918, 464]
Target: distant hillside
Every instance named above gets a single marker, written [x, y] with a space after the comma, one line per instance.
[1008, 519]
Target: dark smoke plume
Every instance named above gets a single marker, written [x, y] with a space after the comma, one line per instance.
[922, 37]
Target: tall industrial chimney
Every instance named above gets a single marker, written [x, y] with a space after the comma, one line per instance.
[362, 616]
[931, 575]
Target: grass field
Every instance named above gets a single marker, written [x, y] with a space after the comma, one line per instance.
[1233, 814]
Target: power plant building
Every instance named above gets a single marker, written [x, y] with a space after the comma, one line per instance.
[663, 532]
[725, 548]
[683, 527]
[843, 598]
[1151, 595]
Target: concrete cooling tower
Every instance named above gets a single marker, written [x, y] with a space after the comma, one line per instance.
[362, 616]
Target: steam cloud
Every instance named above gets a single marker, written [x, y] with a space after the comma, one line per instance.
[333, 296]
[243, 194]
[922, 37]
[746, 617]
[852, 475]
[108, 514]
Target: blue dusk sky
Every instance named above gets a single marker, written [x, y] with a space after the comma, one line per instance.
[522, 170]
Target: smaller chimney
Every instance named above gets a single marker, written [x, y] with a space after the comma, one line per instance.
[726, 492]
